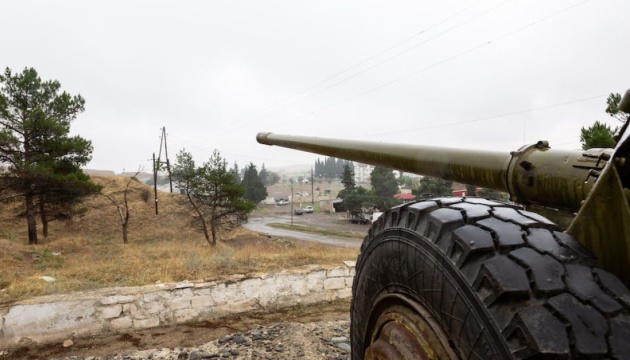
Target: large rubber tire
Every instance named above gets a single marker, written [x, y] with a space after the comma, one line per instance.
[485, 281]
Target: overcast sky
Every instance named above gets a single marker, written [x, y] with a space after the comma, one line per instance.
[491, 74]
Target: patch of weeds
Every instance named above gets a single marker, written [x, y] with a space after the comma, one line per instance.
[51, 289]
[9, 236]
[193, 263]
[46, 259]
[108, 240]
[223, 260]
[4, 283]
[89, 284]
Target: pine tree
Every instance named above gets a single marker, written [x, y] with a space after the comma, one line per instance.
[599, 135]
[212, 192]
[255, 190]
[45, 161]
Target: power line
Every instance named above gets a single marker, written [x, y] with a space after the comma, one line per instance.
[460, 54]
[370, 58]
[487, 117]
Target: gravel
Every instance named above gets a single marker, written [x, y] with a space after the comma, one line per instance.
[315, 340]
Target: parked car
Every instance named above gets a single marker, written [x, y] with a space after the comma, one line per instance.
[282, 202]
[298, 211]
[308, 209]
[359, 219]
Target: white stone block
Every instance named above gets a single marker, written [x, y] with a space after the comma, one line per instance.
[236, 307]
[48, 318]
[203, 291]
[152, 307]
[338, 272]
[314, 298]
[179, 303]
[184, 293]
[118, 299]
[218, 294]
[348, 281]
[156, 296]
[166, 317]
[288, 300]
[146, 323]
[184, 315]
[202, 303]
[250, 288]
[315, 281]
[334, 283]
[344, 293]
[111, 312]
[121, 323]
[350, 264]
[225, 294]
[297, 284]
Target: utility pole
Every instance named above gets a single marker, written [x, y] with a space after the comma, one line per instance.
[168, 165]
[292, 204]
[167, 162]
[155, 193]
[312, 188]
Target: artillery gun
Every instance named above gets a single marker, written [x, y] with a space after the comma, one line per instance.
[470, 278]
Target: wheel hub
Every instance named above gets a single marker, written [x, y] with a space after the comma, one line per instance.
[404, 329]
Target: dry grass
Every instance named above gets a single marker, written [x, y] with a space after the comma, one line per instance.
[89, 253]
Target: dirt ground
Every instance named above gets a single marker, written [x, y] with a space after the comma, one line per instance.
[177, 336]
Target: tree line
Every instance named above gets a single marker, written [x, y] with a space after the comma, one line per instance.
[331, 167]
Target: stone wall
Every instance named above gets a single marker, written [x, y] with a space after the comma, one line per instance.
[60, 317]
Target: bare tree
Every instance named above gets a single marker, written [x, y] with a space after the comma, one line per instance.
[123, 208]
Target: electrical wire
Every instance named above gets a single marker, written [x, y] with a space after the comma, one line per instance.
[448, 59]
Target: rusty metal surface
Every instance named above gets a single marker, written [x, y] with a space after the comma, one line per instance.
[407, 332]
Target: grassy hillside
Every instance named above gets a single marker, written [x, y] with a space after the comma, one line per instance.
[88, 251]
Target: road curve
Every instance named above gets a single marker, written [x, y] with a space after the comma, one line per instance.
[259, 225]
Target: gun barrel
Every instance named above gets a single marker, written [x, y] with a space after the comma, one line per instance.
[486, 169]
[534, 174]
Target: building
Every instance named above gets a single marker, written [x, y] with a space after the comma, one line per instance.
[362, 173]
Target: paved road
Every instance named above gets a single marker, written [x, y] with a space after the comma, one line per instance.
[259, 225]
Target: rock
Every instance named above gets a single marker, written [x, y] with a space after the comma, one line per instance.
[238, 339]
[68, 343]
[279, 348]
[339, 339]
[344, 346]
[195, 355]
[182, 355]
